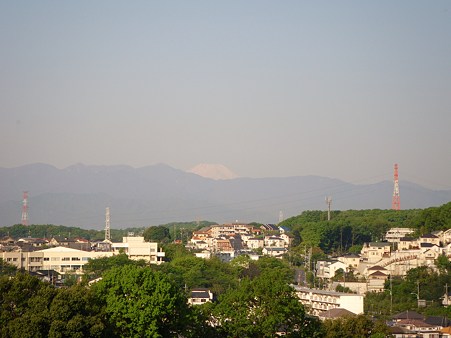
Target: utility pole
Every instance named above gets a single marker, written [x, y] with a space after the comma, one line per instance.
[391, 295]
[446, 294]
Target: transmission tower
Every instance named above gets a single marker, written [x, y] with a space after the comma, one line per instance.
[25, 208]
[107, 225]
[396, 202]
[328, 202]
[280, 216]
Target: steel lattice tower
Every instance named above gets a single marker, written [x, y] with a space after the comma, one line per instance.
[25, 208]
[107, 225]
[396, 202]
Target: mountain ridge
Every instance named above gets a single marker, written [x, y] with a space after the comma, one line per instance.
[157, 194]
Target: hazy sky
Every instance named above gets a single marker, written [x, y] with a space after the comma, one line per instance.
[342, 89]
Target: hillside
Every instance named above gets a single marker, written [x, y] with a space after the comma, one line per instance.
[78, 195]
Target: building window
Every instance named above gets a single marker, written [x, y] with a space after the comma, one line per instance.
[46, 259]
[75, 258]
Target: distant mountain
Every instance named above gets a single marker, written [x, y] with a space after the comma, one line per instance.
[79, 194]
[213, 171]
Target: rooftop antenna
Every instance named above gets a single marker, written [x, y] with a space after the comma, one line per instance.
[25, 208]
[107, 225]
[328, 202]
[396, 202]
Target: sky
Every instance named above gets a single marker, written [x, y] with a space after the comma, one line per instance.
[342, 89]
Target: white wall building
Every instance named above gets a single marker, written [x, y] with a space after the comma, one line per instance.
[62, 259]
[317, 301]
[394, 234]
[136, 248]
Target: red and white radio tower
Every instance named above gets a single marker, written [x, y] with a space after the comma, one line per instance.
[25, 208]
[396, 202]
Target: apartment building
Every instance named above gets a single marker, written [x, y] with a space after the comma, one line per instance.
[395, 234]
[318, 301]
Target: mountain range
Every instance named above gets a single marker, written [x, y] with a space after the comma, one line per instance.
[158, 194]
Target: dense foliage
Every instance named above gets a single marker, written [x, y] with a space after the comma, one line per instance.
[349, 229]
[50, 230]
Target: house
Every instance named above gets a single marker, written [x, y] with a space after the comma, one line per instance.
[274, 241]
[255, 243]
[287, 239]
[445, 237]
[408, 243]
[446, 332]
[205, 254]
[375, 251]
[401, 332]
[327, 269]
[407, 315]
[222, 245]
[200, 296]
[350, 260]
[274, 252]
[395, 234]
[34, 242]
[269, 227]
[335, 313]
[429, 238]
[422, 328]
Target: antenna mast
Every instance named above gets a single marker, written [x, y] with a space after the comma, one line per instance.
[107, 225]
[25, 208]
[328, 202]
[396, 202]
[281, 216]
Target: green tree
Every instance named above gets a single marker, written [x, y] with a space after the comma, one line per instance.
[262, 306]
[158, 233]
[98, 266]
[24, 306]
[7, 269]
[141, 302]
[76, 312]
[353, 326]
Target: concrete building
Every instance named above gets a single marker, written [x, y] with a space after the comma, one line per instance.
[63, 259]
[395, 234]
[317, 301]
[28, 261]
[137, 248]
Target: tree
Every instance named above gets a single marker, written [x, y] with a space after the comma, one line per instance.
[7, 269]
[76, 312]
[157, 234]
[24, 306]
[98, 266]
[141, 302]
[193, 272]
[354, 326]
[262, 306]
